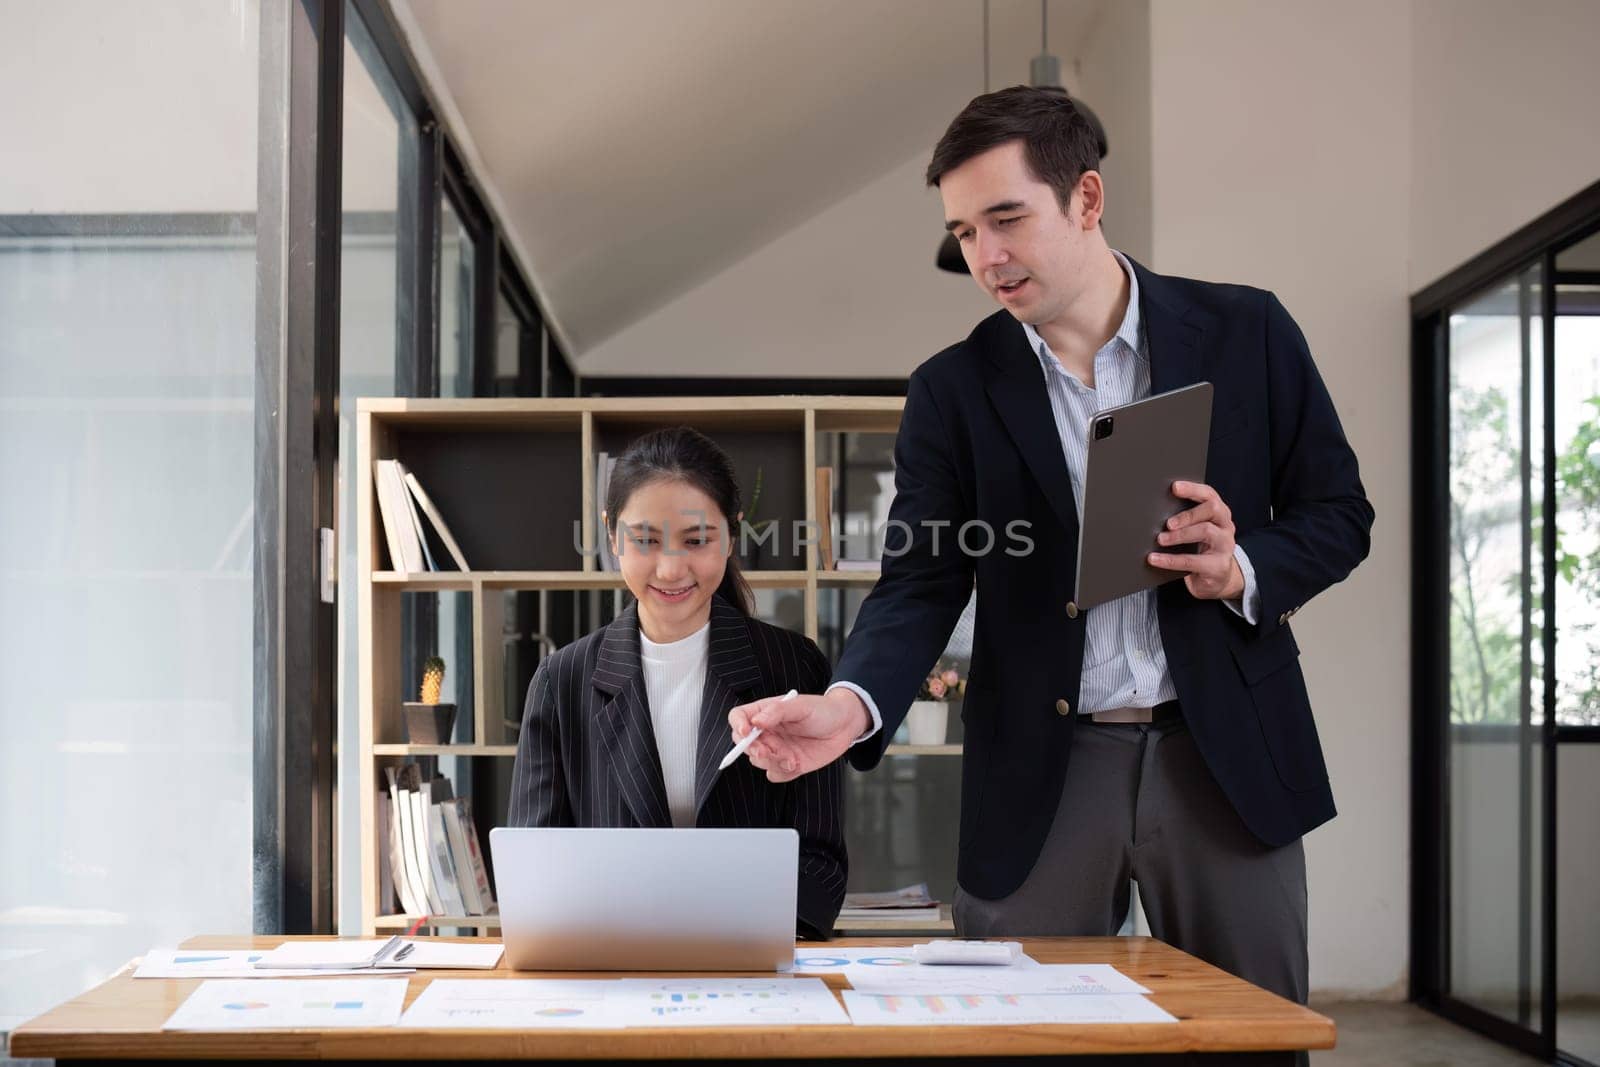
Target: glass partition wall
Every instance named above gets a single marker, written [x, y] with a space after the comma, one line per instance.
[127, 387]
[1507, 624]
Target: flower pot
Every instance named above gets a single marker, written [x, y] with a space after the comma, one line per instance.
[926, 722]
[429, 724]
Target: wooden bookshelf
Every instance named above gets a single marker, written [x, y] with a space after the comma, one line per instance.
[466, 453]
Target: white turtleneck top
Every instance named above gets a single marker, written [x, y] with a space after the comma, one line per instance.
[674, 682]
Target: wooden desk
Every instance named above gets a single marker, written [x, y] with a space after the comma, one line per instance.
[1218, 1013]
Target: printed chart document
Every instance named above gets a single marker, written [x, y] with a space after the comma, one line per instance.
[515, 1003]
[1067, 979]
[868, 959]
[289, 1003]
[207, 963]
[1006, 1009]
[727, 1002]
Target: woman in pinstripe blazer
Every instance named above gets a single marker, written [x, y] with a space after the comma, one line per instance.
[626, 726]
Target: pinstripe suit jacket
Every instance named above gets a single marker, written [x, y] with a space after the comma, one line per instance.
[587, 755]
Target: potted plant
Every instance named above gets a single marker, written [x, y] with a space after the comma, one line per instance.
[429, 722]
[928, 719]
[756, 528]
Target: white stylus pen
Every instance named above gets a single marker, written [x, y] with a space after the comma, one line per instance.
[738, 750]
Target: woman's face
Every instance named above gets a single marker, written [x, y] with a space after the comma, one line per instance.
[672, 542]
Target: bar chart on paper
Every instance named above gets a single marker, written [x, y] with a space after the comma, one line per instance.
[991, 1009]
[730, 1002]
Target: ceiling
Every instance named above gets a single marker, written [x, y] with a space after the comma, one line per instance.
[635, 148]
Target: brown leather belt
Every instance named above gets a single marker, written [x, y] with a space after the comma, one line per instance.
[1160, 713]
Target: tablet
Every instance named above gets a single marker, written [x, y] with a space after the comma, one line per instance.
[1136, 452]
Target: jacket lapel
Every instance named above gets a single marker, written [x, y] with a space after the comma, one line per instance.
[624, 726]
[1175, 331]
[731, 675]
[1017, 389]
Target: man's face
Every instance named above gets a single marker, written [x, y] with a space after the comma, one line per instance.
[1022, 249]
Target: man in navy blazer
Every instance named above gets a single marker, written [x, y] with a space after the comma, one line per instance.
[1165, 737]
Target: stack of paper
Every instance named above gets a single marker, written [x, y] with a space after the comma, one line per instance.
[515, 1003]
[208, 963]
[889, 988]
[997, 1009]
[396, 952]
[911, 903]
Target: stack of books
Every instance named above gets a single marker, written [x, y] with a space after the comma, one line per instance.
[429, 857]
[399, 497]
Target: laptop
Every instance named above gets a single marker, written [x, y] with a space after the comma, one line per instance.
[590, 899]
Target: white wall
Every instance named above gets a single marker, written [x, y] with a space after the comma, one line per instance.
[1504, 125]
[1259, 119]
[1114, 80]
[851, 292]
[151, 108]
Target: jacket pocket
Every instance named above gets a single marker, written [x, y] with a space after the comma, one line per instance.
[1259, 657]
[1270, 668]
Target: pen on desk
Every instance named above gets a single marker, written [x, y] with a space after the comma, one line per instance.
[738, 749]
[404, 951]
[388, 947]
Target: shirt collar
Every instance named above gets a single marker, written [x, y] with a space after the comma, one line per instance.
[1127, 333]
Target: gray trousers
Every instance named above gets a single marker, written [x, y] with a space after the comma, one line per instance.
[1139, 803]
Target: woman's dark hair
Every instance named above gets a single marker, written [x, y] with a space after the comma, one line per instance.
[686, 455]
[1058, 142]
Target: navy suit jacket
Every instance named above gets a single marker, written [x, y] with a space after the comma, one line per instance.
[587, 754]
[977, 442]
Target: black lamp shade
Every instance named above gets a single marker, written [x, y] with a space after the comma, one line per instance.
[950, 257]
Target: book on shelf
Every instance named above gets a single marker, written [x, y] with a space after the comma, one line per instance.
[863, 566]
[604, 465]
[825, 518]
[466, 883]
[381, 831]
[444, 864]
[402, 503]
[475, 884]
[402, 862]
[415, 516]
[405, 554]
[437, 519]
[421, 854]
[433, 848]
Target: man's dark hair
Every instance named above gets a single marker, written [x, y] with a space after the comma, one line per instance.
[1058, 142]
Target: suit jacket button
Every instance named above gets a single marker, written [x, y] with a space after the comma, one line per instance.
[1072, 612]
[1063, 708]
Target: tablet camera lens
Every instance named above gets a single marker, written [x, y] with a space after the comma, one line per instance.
[1102, 428]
